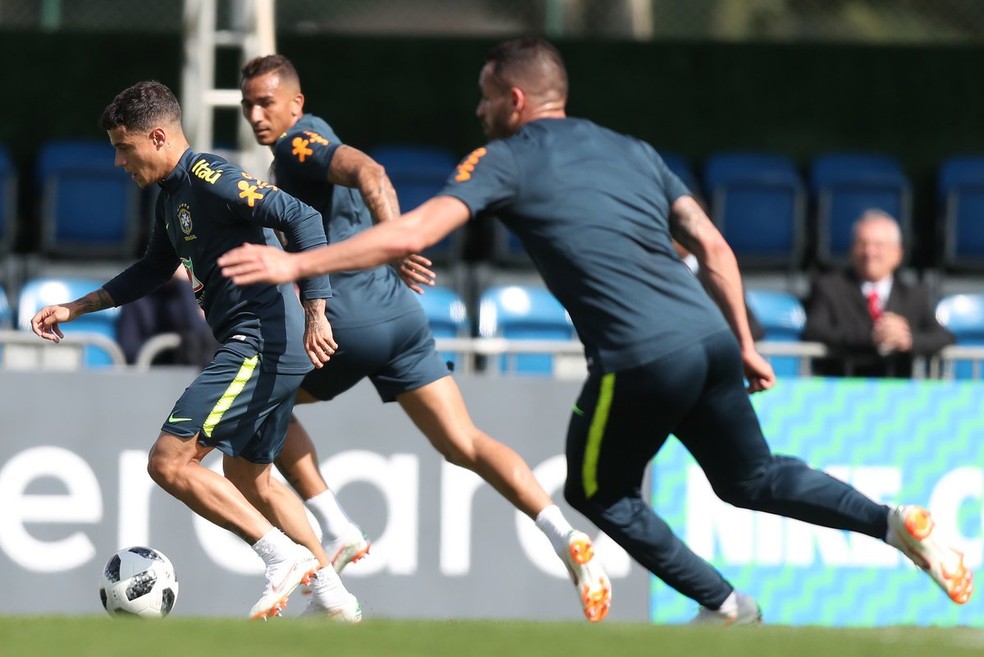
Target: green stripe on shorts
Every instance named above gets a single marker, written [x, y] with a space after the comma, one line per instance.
[229, 396]
[589, 468]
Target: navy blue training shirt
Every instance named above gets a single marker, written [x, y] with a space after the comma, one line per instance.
[206, 207]
[591, 207]
[302, 157]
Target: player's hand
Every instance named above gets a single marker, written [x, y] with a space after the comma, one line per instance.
[319, 343]
[256, 263]
[758, 372]
[415, 270]
[45, 322]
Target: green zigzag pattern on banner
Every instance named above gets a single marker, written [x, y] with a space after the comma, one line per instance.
[924, 428]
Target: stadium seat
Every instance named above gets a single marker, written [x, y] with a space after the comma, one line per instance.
[782, 318]
[758, 201]
[8, 201]
[6, 314]
[448, 317]
[524, 312]
[963, 315]
[843, 186]
[39, 292]
[960, 199]
[679, 165]
[418, 172]
[90, 208]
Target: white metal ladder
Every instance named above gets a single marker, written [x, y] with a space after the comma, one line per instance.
[251, 30]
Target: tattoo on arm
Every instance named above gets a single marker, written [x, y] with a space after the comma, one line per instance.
[687, 225]
[95, 301]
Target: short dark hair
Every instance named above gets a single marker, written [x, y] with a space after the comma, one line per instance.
[142, 106]
[270, 64]
[531, 63]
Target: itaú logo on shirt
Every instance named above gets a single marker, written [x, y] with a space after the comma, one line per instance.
[202, 169]
[467, 165]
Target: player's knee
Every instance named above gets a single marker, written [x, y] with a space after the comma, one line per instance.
[162, 470]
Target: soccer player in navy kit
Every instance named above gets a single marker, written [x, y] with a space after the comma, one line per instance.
[383, 334]
[241, 402]
[596, 210]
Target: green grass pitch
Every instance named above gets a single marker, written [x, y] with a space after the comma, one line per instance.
[98, 636]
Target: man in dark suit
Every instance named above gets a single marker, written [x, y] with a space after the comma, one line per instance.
[873, 323]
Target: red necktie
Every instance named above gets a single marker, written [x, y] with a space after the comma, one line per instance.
[874, 306]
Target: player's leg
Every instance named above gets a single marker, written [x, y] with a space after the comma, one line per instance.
[341, 537]
[724, 436]
[298, 461]
[265, 417]
[175, 465]
[722, 432]
[439, 411]
[419, 380]
[619, 422]
[222, 409]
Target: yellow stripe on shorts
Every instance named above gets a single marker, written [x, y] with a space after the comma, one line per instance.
[596, 433]
[229, 396]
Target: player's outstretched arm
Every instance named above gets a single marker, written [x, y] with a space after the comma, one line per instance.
[411, 233]
[45, 322]
[353, 168]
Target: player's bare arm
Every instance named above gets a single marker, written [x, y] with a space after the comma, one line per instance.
[45, 322]
[691, 226]
[319, 342]
[411, 233]
[353, 168]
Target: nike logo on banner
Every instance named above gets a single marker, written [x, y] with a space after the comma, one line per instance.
[178, 419]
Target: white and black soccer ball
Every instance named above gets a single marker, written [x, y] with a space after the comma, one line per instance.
[138, 581]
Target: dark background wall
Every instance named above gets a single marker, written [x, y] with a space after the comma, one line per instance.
[919, 103]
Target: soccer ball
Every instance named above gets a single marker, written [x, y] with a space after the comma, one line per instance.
[138, 581]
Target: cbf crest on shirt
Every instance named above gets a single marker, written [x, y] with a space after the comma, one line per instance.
[206, 207]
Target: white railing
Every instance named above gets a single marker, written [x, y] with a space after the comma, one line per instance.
[22, 350]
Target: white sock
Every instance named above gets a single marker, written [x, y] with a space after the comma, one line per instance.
[334, 522]
[730, 604]
[327, 588]
[552, 522]
[274, 546]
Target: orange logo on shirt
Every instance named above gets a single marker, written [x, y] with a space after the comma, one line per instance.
[249, 193]
[301, 148]
[468, 164]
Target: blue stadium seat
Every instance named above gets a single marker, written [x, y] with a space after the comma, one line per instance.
[8, 200]
[960, 199]
[6, 313]
[963, 315]
[39, 292]
[679, 165]
[418, 172]
[843, 186]
[782, 318]
[90, 208]
[447, 315]
[524, 312]
[758, 201]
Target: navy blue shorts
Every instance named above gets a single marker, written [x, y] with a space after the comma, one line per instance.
[397, 355]
[696, 393]
[237, 406]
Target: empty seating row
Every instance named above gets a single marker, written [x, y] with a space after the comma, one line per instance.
[776, 218]
[88, 207]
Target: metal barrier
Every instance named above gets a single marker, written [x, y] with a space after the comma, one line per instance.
[21, 350]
